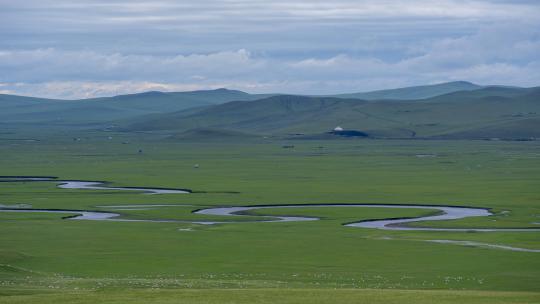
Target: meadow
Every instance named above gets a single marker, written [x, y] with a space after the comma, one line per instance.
[47, 259]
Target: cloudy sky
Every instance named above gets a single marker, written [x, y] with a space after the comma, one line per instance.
[76, 49]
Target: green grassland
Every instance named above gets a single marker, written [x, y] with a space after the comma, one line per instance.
[260, 296]
[46, 259]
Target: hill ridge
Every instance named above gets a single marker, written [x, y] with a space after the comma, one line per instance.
[426, 118]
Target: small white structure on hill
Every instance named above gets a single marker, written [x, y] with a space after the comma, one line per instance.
[338, 128]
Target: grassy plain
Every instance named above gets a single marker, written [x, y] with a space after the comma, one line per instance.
[44, 258]
[286, 296]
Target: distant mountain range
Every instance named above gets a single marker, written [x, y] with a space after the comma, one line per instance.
[484, 113]
[416, 92]
[19, 109]
[455, 110]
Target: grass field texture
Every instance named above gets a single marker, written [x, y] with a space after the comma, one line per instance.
[45, 258]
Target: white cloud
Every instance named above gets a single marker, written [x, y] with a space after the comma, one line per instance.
[52, 64]
[74, 49]
[514, 60]
[125, 11]
[90, 89]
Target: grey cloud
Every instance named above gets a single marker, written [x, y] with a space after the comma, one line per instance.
[86, 48]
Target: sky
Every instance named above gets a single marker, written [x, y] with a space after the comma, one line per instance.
[73, 49]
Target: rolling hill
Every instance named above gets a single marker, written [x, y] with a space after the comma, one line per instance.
[41, 111]
[507, 113]
[416, 92]
[29, 110]
[473, 112]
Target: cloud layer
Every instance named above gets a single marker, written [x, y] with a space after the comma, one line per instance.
[80, 49]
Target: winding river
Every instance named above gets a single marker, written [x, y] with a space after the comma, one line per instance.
[88, 185]
[442, 212]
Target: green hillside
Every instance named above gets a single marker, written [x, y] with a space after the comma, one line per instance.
[472, 113]
[277, 114]
[19, 109]
[416, 92]
[508, 113]
[161, 102]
